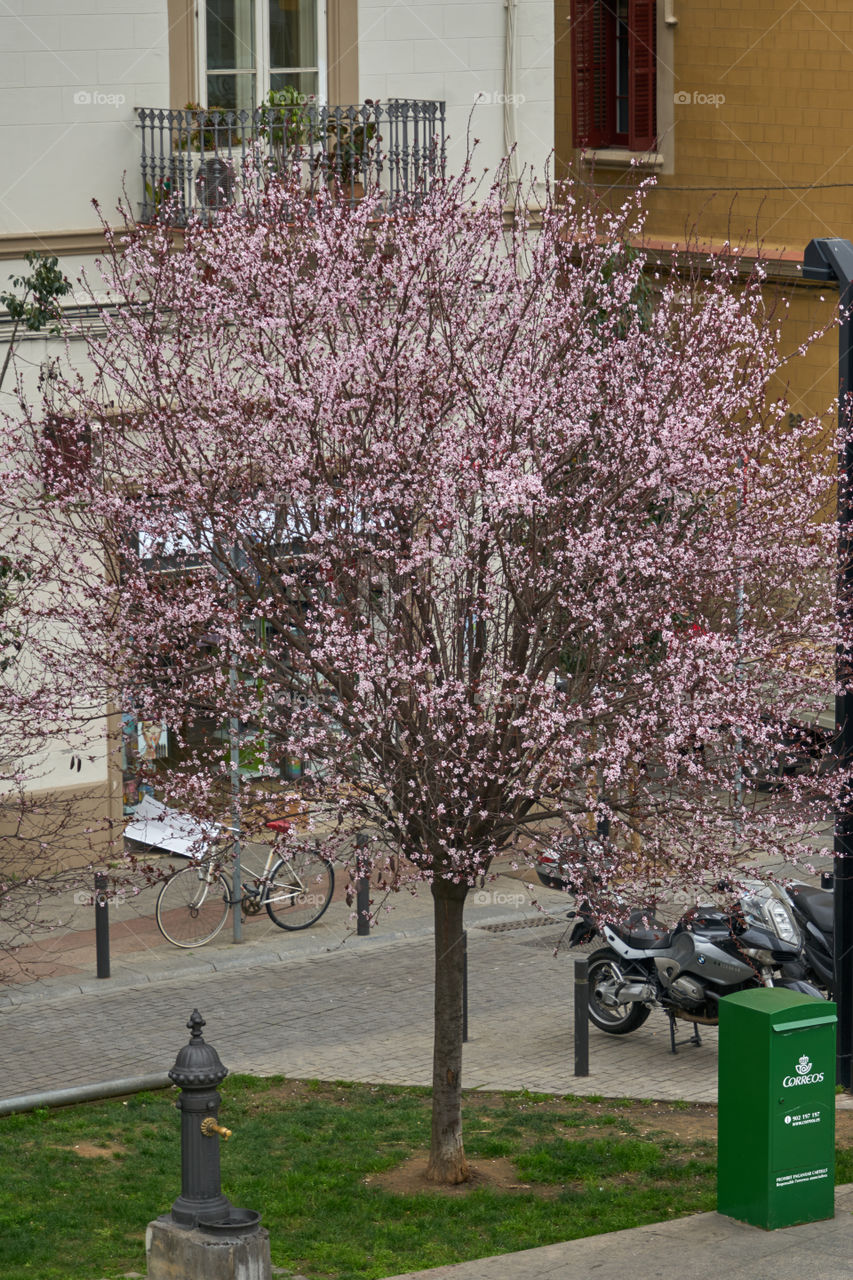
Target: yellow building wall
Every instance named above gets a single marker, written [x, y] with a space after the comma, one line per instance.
[773, 150]
[760, 128]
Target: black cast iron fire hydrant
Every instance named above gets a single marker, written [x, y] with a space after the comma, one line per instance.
[197, 1072]
[204, 1234]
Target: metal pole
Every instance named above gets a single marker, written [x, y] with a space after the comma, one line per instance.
[739, 602]
[234, 734]
[464, 986]
[102, 926]
[833, 260]
[582, 1017]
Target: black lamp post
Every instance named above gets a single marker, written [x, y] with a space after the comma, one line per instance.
[832, 260]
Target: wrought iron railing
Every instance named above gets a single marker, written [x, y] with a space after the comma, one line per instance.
[193, 160]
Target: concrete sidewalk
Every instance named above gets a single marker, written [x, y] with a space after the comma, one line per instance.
[703, 1247]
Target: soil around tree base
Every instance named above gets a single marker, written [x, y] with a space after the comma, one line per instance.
[685, 1124]
[409, 1178]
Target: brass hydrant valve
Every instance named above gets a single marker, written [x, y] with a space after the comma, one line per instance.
[209, 1127]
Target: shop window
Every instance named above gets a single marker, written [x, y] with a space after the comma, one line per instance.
[613, 74]
[142, 743]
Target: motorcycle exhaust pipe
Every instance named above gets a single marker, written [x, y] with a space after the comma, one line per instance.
[635, 992]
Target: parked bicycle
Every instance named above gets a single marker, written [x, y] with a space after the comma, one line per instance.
[193, 904]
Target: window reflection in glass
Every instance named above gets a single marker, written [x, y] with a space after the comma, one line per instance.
[231, 92]
[293, 34]
[230, 35]
[304, 81]
[231, 54]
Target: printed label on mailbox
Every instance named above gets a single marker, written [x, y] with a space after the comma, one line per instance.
[807, 1117]
[803, 1074]
[807, 1175]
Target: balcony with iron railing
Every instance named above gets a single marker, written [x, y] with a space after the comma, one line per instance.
[195, 162]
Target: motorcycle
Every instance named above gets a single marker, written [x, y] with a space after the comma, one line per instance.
[685, 970]
[814, 912]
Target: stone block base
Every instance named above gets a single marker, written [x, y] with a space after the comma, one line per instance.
[174, 1253]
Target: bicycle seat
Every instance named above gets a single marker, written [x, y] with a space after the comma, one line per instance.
[279, 824]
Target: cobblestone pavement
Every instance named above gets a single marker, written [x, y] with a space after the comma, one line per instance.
[324, 1003]
[362, 1012]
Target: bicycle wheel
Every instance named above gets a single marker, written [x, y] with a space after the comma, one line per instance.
[193, 905]
[299, 890]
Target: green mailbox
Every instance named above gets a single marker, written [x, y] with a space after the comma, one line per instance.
[776, 1134]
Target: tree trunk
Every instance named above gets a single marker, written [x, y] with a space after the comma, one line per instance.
[447, 1157]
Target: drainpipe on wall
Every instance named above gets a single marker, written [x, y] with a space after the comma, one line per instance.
[510, 133]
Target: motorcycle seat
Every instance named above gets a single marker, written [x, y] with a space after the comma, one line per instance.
[643, 933]
[816, 905]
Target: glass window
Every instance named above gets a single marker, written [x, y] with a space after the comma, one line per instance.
[230, 35]
[231, 54]
[253, 46]
[622, 92]
[293, 34]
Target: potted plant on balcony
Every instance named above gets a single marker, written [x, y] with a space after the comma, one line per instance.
[351, 139]
[286, 122]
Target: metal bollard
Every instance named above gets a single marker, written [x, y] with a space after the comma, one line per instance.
[102, 926]
[362, 890]
[464, 986]
[581, 1017]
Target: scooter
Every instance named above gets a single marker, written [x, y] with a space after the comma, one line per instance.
[687, 969]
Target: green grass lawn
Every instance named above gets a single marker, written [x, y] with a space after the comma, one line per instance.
[79, 1185]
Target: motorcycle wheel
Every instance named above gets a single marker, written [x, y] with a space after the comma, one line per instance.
[620, 1019]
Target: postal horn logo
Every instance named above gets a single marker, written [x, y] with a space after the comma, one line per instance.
[804, 1074]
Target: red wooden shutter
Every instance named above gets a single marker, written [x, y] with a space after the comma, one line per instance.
[589, 91]
[642, 123]
[66, 450]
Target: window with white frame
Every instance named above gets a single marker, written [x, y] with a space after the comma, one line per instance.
[248, 47]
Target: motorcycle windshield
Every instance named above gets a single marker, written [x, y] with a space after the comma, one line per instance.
[765, 907]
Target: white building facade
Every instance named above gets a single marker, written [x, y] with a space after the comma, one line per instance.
[75, 71]
[75, 74]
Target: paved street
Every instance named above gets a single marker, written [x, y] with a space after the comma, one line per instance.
[287, 1004]
[325, 1003]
